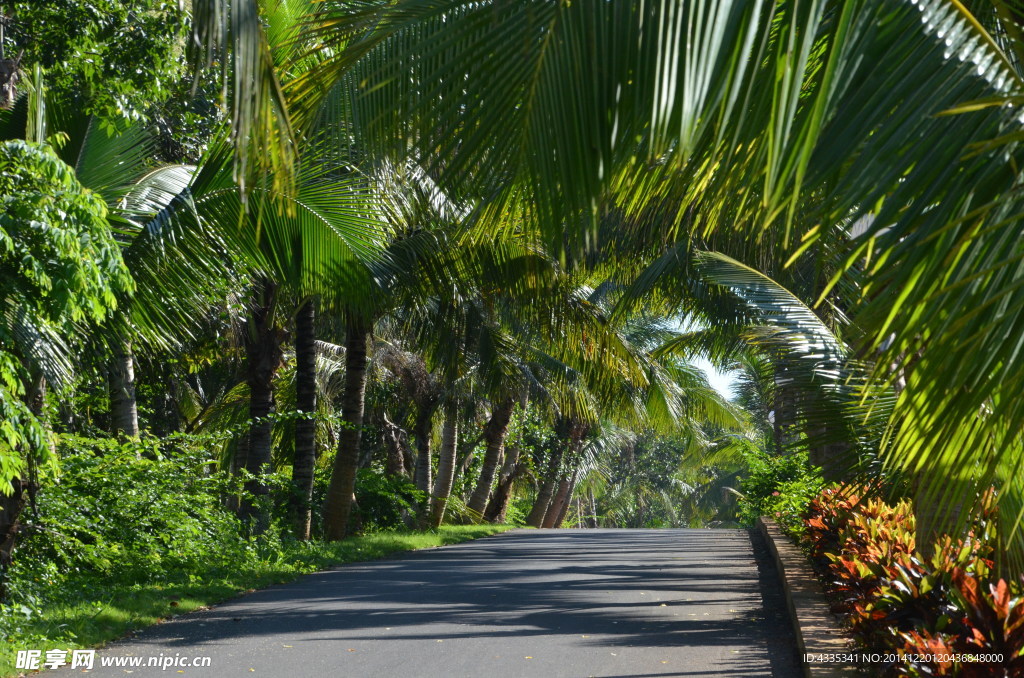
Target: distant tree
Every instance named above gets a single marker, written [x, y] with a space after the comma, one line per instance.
[115, 58]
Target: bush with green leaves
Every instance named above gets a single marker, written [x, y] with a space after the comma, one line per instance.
[131, 513]
[385, 501]
[778, 486]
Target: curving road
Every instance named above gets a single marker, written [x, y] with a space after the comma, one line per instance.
[531, 603]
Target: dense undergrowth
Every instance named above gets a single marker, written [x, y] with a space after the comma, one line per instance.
[120, 541]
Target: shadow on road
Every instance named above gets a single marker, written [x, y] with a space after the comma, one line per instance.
[714, 591]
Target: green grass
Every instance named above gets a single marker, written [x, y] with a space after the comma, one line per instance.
[104, 611]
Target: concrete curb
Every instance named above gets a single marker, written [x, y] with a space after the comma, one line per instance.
[817, 631]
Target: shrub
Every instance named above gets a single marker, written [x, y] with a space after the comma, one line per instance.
[921, 608]
[384, 502]
[779, 486]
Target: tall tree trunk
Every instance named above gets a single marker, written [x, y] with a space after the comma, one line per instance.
[238, 459]
[547, 488]
[445, 465]
[395, 463]
[557, 503]
[560, 473]
[263, 357]
[592, 518]
[833, 456]
[784, 414]
[305, 428]
[124, 411]
[494, 435]
[423, 430]
[341, 491]
[566, 502]
[498, 505]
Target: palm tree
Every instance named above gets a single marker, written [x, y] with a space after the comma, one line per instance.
[874, 112]
[304, 456]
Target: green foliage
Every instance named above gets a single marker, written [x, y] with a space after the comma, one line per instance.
[122, 511]
[139, 530]
[928, 609]
[186, 121]
[517, 512]
[98, 610]
[60, 269]
[779, 486]
[57, 255]
[384, 501]
[114, 58]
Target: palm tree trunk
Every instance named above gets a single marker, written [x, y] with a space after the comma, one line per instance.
[783, 427]
[341, 491]
[498, 505]
[592, 518]
[833, 456]
[445, 465]
[557, 503]
[566, 502]
[395, 463]
[238, 459]
[124, 412]
[494, 434]
[263, 357]
[547, 488]
[566, 478]
[423, 429]
[305, 428]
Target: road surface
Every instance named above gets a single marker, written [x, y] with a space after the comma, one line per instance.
[527, 603]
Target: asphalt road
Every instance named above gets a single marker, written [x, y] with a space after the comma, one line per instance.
[534, 603]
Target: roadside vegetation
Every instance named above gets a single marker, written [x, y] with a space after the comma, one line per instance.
[941, 608]
[283, 277]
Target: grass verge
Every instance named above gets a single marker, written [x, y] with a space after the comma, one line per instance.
[98, 612]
